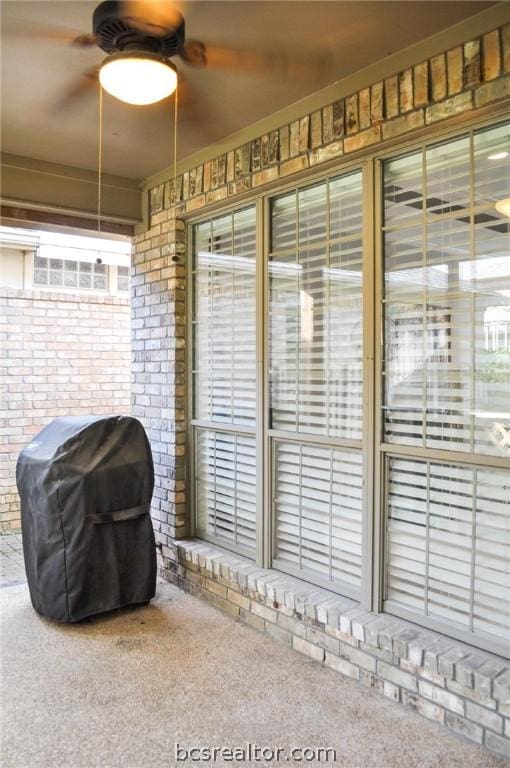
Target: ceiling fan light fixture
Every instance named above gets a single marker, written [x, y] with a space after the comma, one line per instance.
[138, 77]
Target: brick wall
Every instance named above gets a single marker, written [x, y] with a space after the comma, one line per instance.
[465, 690]
[471, 697]
[61, 354]
[158, 366]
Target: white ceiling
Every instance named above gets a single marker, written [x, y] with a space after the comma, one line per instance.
[138, 140]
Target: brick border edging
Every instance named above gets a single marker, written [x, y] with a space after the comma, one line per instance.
[461, 80]
[444, 680]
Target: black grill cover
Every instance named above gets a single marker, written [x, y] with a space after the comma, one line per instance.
[85, 484]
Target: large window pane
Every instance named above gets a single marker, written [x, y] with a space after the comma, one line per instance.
[449, 544]
[225, 487]
[317, 506]
[224, 319]
[315, 292]
[447, 296]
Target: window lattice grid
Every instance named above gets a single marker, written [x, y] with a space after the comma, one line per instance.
[317, 502]
[448, 544]
[446, 294]
[223, 318]
[225, 483]
[315, 309]
[67, 273]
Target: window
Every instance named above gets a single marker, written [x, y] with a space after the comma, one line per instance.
[123, 279]
[69, 274]
[447, 382]
[448, 543]
[224, 378]
[315, 381]
[315, 285]
[289, 454]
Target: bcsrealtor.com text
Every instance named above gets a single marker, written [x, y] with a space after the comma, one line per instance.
[254, 753]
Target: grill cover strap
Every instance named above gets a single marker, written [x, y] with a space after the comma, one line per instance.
[118, 515]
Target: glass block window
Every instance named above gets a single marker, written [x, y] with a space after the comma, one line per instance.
[123, 279]
[68, 274]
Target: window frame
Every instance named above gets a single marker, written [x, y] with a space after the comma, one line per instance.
[376, 452]
[196, 424]
[363, 594]
[385, 450]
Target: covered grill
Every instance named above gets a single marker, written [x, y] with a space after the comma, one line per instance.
[85, 485]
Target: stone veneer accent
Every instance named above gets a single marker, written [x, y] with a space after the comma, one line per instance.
[465, 78]
[442, 679]
[62, 354]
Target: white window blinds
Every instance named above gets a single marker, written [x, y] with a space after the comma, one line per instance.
[225, 488]
[447, 382]
[224, 319]
[315, 380]
[315, 276]
[447, 296]
[449, 543]
[224, 371]
[318, 511]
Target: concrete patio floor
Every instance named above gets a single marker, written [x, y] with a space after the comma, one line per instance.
[120, 691]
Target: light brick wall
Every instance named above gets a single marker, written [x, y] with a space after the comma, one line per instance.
[158, 366]
[61, 354]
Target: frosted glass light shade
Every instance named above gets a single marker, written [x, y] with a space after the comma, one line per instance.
[138, 77]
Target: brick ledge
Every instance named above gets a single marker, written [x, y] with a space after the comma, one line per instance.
[445, 680]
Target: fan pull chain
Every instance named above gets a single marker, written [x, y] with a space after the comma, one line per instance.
[100, 158]
[176, 106]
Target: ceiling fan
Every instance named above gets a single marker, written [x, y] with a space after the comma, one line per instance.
[140, 37]
[144, 37]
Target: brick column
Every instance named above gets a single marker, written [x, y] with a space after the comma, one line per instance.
[158, 367]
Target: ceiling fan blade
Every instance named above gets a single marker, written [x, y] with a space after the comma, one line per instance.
[87, 84]
[52, 33]
[194, 108]
[153, 17]
[194, 53]
[277, 63]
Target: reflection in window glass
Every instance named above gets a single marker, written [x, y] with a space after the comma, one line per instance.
[226, 487]
[315, 313]
[447, 384]
[449, 544]
[224, 319]
[318, 510]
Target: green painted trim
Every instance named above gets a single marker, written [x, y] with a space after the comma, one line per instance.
[36, 183]
[470, 28]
